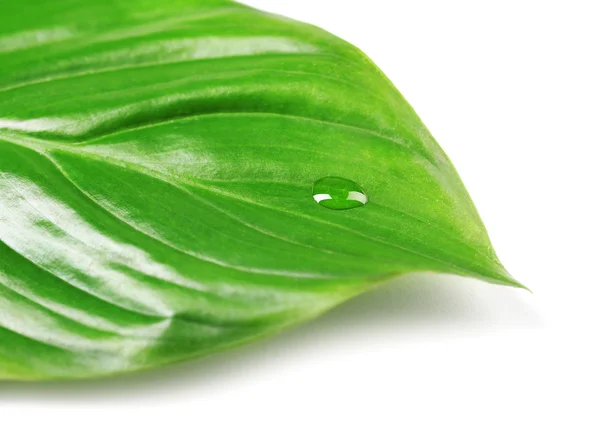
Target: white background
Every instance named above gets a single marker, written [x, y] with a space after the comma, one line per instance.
[511, 91]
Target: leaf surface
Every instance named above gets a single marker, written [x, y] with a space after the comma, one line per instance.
[157, 160]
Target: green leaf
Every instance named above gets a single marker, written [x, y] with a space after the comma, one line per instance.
[158, 162]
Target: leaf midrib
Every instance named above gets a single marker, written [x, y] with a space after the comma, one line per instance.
[40, 146]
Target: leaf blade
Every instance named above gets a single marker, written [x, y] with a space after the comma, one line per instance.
[155, 184]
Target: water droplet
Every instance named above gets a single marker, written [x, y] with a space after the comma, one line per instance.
[338, 193]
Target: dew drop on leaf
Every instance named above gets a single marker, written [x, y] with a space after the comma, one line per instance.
[338, 193]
